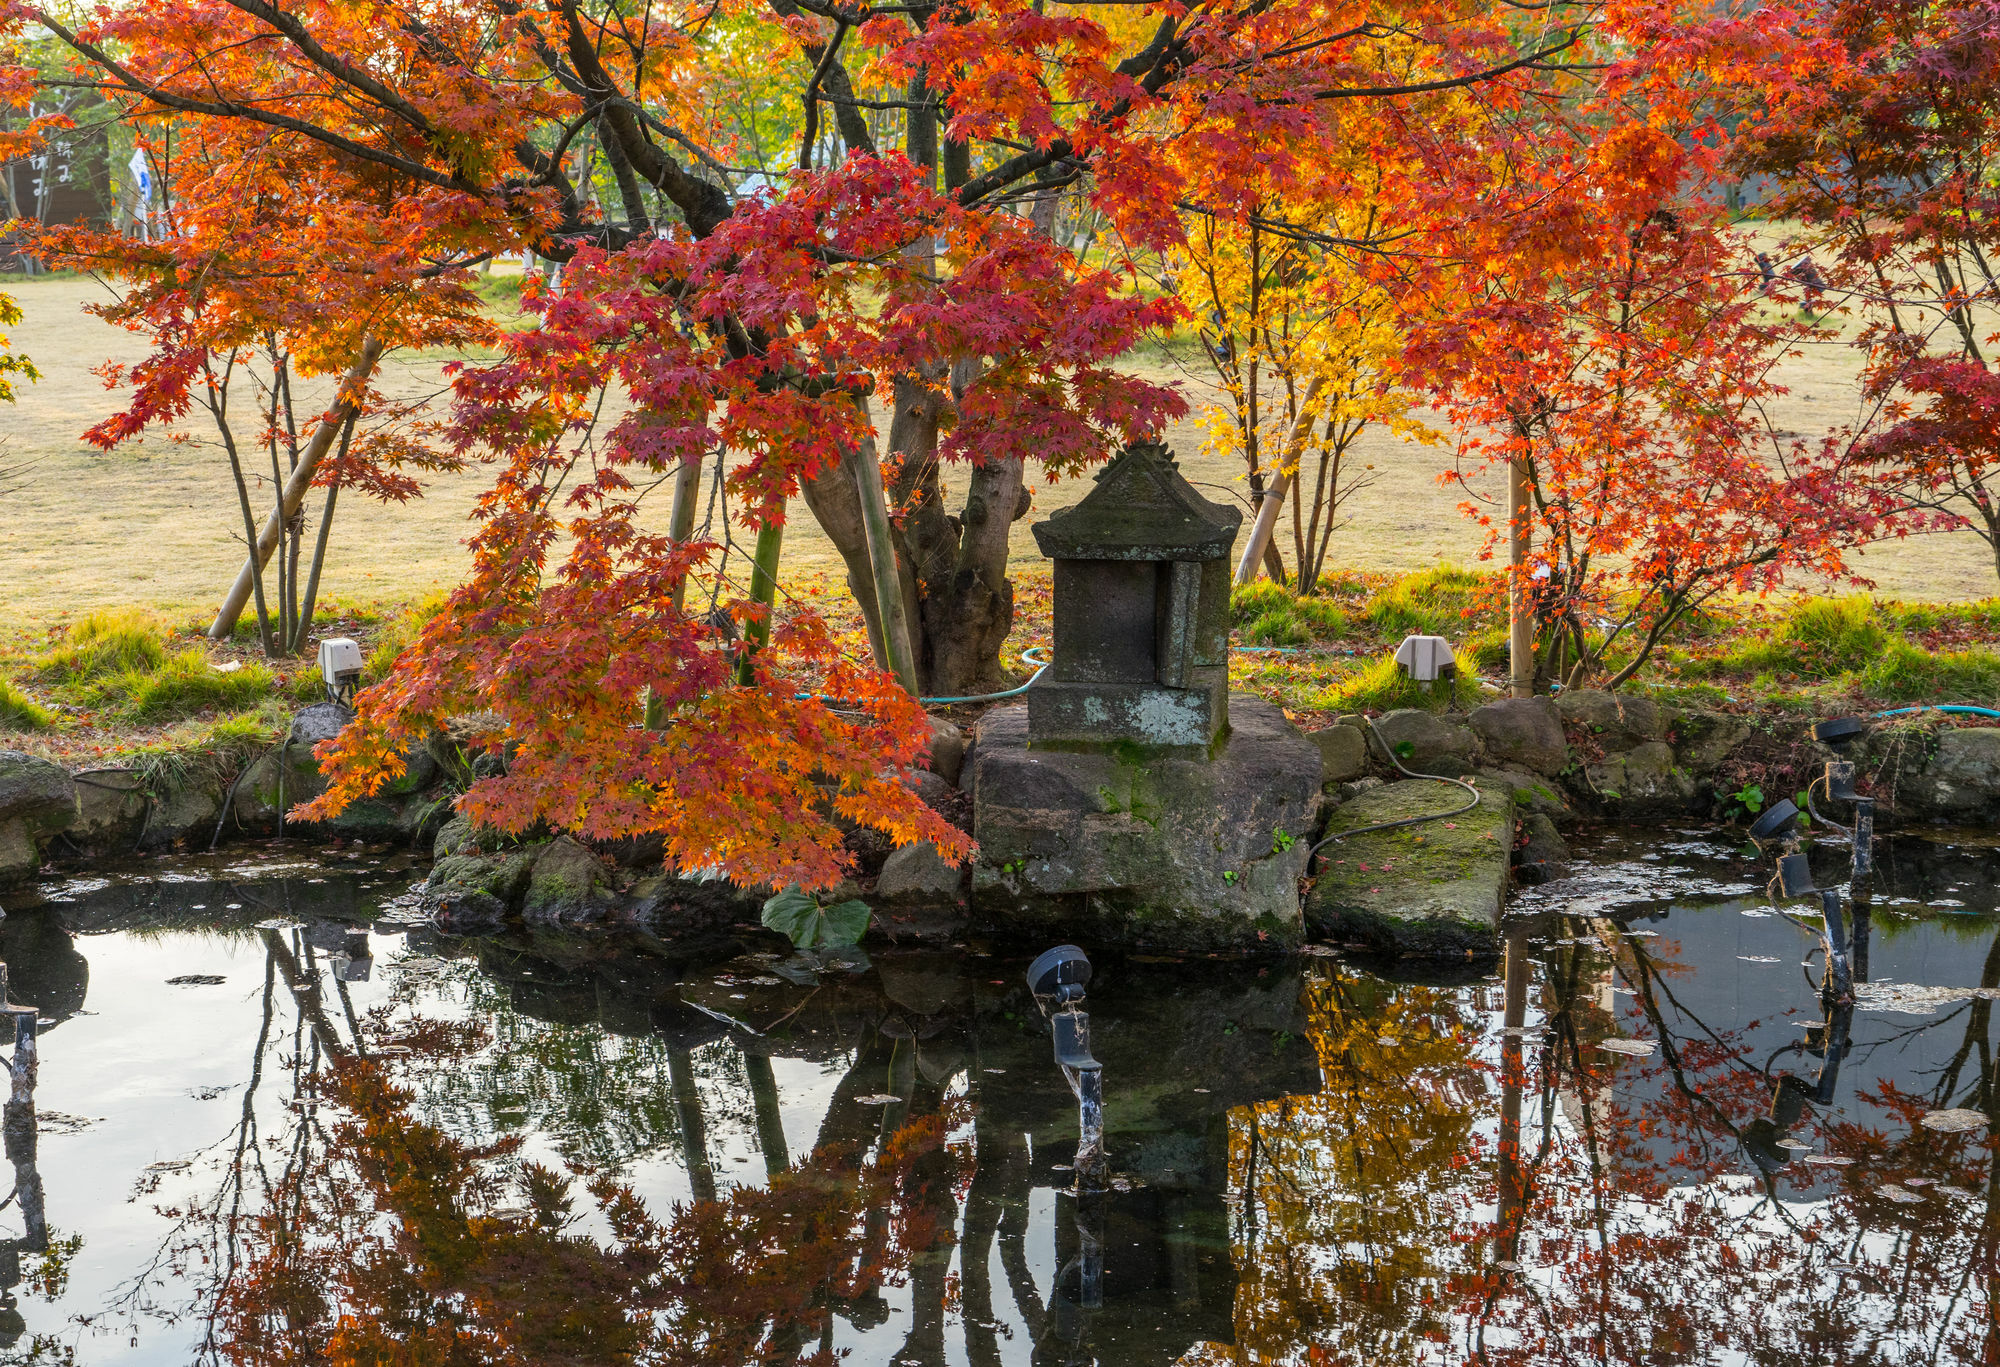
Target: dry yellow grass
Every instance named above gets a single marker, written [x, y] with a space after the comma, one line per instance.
[155, 524]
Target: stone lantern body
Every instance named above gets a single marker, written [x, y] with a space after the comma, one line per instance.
[1141, 612]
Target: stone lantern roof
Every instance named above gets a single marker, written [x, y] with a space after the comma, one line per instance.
[1141, 509]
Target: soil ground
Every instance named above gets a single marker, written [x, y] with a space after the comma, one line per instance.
[154, 524]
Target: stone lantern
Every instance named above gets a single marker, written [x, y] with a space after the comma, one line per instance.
[1141, 612]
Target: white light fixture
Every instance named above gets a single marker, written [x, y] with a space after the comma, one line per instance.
[1426, 658]
[340, 667]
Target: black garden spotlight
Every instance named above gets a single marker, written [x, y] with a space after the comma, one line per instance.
[1057, 978]
[1776, 832]
[1837, 733]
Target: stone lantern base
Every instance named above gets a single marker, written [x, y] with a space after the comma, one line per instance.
[1121, 845]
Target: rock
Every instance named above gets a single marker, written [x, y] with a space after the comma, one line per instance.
[1617, 721]
[1533, 793]
[37, 799]
[1540, 853]
[466, 890]
[1343, 753]
[420, 771]
[947, 750]
[1645, 781]
[1961, 777]
[1522, 733]
[20, 854]
[111, 811]
[569, 886]
[460, 835]
[1433, 890]
[1970, 756]
[1703, 740]
[668, 904]
[938, 792]
[1425, 742]
[188, 813]
[283, 776]
[1129, 846]
[918, 873]
[37, 793]
[320, 721]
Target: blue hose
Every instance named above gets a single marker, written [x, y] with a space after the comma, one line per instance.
[1032, 655]
[1962, 709]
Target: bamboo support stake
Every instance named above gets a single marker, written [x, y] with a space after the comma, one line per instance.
[763, 590]
[687, 492]
[1266, 521]
[1520, 603]
[882, 561]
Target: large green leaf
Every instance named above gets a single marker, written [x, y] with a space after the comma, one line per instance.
[800, 917]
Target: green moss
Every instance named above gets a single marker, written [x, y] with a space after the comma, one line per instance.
[19, 712]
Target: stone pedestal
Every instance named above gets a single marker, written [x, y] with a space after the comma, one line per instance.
[1119, 844]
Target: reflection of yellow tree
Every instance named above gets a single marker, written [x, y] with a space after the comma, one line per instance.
[1342, 1190]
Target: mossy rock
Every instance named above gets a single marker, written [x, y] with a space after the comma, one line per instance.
[479, 889]
[1434, 889]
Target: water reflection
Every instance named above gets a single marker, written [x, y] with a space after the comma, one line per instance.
[287, 1127]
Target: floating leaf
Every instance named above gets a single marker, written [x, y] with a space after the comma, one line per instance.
[1955, 1121]
[1889, 1191]
[1636, 1048]
[799, 917]
[878, 1099]
[1828, 1160]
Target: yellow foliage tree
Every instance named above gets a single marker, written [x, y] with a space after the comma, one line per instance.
[1304, 349]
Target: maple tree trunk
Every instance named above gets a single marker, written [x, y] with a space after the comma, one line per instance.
[955, 567]
[834, 497]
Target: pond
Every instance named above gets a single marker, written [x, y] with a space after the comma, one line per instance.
[277, 1121]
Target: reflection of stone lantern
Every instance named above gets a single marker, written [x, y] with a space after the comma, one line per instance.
[1141, 611]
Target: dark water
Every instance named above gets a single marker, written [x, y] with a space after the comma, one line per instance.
[366, 1143]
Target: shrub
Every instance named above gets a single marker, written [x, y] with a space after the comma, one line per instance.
[19, 712]
[1909, 674]
[1383, 686]
[1432, 602]
[105, 643]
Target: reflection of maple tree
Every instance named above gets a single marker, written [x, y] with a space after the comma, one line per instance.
[397, 1242]
[1616, 1213]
